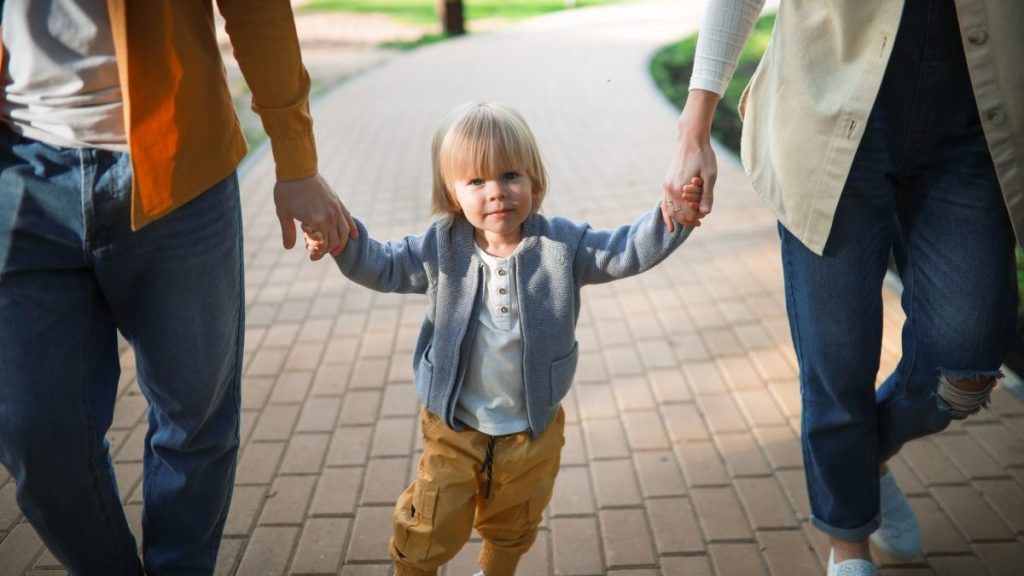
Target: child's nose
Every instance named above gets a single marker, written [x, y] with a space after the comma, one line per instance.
[498, 189]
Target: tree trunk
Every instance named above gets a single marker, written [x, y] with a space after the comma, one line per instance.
[452, 21]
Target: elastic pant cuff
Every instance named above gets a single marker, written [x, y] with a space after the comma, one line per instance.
[858, 534]
[403, 570]
[497, 562]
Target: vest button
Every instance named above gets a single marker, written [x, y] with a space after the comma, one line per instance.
[997, 117]
[977, 37]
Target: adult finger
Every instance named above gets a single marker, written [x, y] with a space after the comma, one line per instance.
[666, 213]
[346, 229]
[707, 198]
[287, 230]
[330, 239]
[339, 227]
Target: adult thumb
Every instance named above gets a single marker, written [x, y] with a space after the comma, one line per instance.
[707, 197]
[287, 231]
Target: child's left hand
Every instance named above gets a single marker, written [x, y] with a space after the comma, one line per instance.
[686, 212]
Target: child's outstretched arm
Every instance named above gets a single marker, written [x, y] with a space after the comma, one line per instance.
[605, 255]
[394, 266]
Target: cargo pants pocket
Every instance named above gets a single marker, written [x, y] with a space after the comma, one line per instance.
[414, 522]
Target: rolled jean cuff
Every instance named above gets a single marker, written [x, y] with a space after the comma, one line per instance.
[858, 534]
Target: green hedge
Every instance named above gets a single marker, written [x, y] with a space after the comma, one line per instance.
[1020, 282]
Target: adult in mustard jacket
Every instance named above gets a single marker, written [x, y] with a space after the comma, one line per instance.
[872, 127]
[119, 211]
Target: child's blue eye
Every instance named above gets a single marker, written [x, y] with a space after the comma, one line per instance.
[510, 175]
[476, 181]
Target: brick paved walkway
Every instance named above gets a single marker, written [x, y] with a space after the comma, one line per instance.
[682, 454]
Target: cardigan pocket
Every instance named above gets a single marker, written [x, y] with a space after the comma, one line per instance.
[562, 372]
[424, 377]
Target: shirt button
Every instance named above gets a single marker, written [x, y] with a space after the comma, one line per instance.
[504, 309]
[997, 117]
[977, 37]
[502, 291]
[501, 272]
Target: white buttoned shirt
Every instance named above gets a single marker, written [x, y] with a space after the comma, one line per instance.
[491, 399]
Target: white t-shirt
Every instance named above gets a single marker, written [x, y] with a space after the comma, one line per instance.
[60, 84]
[491, 399]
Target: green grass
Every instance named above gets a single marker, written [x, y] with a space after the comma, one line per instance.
[672, 65]
[423, 40]
[424, 11]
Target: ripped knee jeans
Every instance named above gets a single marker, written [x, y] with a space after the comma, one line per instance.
[922, 186]
[948, 368]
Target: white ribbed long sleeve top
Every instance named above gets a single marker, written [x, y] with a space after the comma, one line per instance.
[723, 33]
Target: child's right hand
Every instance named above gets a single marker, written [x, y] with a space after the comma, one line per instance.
[316, 245]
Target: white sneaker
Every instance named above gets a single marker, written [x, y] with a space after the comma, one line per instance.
[899, 535]
[480, 573]
[854, 567]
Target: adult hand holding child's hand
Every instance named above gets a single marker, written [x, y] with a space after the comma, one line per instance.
[314, 204]
[694, 160]
[686, 210]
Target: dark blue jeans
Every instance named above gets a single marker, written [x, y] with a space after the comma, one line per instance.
[72, 273]
[922, 185]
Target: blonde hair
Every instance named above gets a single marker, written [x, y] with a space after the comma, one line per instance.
[482, 138]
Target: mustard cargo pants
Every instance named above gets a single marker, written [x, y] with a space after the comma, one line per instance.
[435, 515]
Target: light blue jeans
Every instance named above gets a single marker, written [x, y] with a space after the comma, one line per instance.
[923, 185]
[72, 273]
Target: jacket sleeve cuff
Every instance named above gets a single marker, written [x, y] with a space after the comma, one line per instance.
[294, 158]
[290, 129]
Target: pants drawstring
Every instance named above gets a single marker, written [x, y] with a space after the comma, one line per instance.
[488, 466]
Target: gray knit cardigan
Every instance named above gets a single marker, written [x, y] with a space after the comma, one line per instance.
[557, 257]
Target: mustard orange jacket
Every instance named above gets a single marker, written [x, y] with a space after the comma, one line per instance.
[182, 129]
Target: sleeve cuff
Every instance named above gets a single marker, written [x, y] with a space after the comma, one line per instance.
[709, 84]
[294, 158]
[290, 129]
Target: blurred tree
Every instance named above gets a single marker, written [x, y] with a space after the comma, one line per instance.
[451, 14]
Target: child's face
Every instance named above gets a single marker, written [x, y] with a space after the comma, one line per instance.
[496, 204]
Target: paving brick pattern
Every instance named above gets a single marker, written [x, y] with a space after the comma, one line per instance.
[682, 453]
